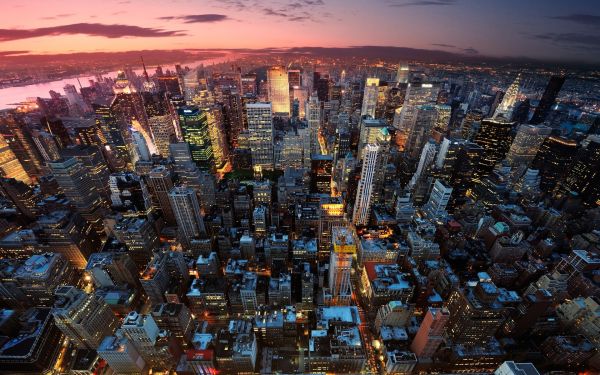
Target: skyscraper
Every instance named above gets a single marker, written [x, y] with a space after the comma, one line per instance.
[161, 183]
[9, 164]
[507, 106]
[371, 92]
[313, 116]
[340, 264]
[279, 90]
[430, 334]
[526, 144]
[260, 127]
[364, 192]
[403, 72]
[548, 99]
[84, 318]
[163, 132]
[77, 185]
[555, 153]
[194, 127]
[495, 137]
[187, 213]
[438, 199]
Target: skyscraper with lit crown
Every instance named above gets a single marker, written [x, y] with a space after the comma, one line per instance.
[507, 106]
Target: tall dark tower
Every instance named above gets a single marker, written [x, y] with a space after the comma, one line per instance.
[583, 178]
[548, 98]
[555, 154]
[495, 137]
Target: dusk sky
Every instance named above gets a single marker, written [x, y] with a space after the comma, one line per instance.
[556, 30]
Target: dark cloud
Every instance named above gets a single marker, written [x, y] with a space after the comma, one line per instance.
[470, 51]
[12, 53]
[58, 16]
[443, 45]
[417, 3]
[571, 39]
[198, 18]
[92, 29]
[293, 11]
[582, 19]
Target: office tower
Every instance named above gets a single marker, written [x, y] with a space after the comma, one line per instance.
[430, 334]
[161, 183]
[84, 318]
[68, 233]
[46, 145]
[40, 275]
[218, 139]
[19, 139]
[370, 131]
[320, 174]
[169, 84]
[76, 183]
[140, 237]
[475, 314]
[121, 355]
[526, 144]
[370, 96]
[10, 166]
[512, 368]
[393, 314]
[371, 180]
[175, 318]
[190, 85]
[279, 90]
[187, 213]
[313, 117]
[92, 159]
[57, 128]
[21, 195]
[194, 127]
[76, 104]
[555, 153]
[34, 346]
[403, 73]
[112, 269]
[144, 334]
[234, 116]
[416, 94]
[548, 99]
[260, 127]
[300, 96]
[90, 136]
[495, 137]
[583, 177]
[163, 132]
[321, 85]
[117, 149]
[507, 106]
[129, 192]
[423, 122]
[471, 123]
[438, 200]
[340, 264]
[295, 78]
[140, 146]
[249, 84]
[155, 278]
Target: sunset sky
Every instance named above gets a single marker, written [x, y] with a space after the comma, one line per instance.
[557, 30]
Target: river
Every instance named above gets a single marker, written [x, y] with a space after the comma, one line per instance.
[10, 97]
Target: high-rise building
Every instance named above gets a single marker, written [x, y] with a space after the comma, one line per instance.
[512, 368]
[155, 278]
[548, 99]
[340, 264]
[438, 199]
[84, 318]
[507, 106]
[195, 130]
[218, 135]
[430, 334]
[187, 213]
[161, 183]
[260, 127]
[555, 153]
[526, 144]
[279, 90]
[403, 73]
[583, 178]
[320, 174]
[76, 183]
[163, 132]
[371, 179]
[313, 117]
[370, 95]
[495, 137]
[9, 164]
[121, 355]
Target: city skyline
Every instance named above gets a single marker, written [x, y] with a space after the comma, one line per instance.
[550, 30]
